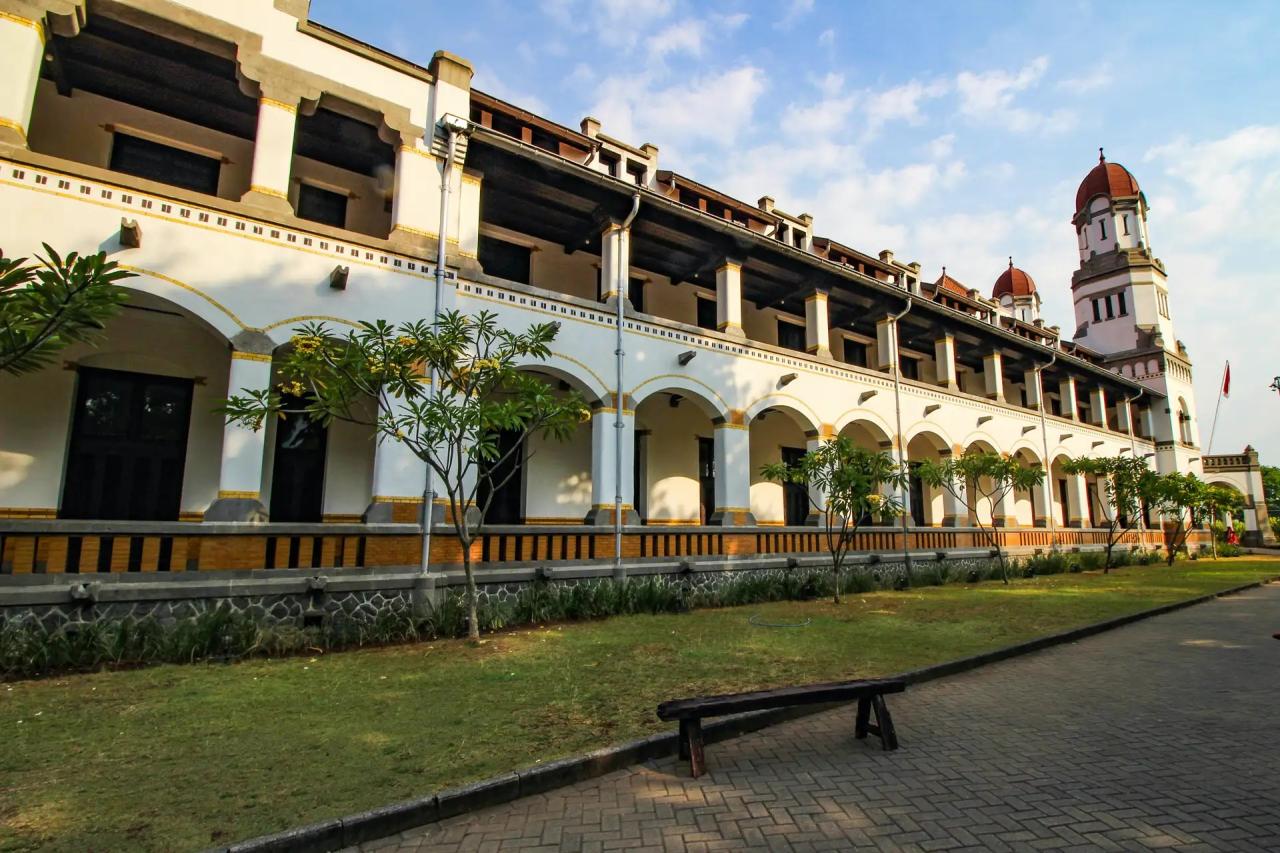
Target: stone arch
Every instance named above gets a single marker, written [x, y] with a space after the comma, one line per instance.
[867, 433]
[863, 416]
[675, 430]
[698, 393]
[926, 505]
[778, 433]
[794, 407]
[572, 372]
[212, 313]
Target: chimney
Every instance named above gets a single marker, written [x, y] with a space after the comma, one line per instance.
[765, 203]
[591, 127]
[886, 256]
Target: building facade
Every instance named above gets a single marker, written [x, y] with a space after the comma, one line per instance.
[256, 170]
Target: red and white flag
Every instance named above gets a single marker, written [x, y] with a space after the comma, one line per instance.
[1226, 381]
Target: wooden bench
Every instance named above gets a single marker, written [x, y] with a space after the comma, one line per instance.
[870, 695]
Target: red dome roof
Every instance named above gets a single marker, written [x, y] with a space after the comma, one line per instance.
[1014, 282]
[1109, 179]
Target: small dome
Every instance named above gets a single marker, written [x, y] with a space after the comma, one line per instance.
[1110, 179]
[1014, 282]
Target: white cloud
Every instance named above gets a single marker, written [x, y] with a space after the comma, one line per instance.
[902, 103]
[941, 147]
[681, 37]
[989, 97]
[730, 22]
[1089, 81]
[827, 38]
[796, 9]
[615, 23]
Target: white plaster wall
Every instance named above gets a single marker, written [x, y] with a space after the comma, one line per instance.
[558, 478]
[768, 436]
[672, 470]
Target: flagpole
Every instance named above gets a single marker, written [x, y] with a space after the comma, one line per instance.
[1221, 385]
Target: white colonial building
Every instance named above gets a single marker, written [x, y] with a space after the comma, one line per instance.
[256, 170]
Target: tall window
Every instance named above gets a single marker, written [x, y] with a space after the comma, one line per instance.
[1102, 228]
[1110, 310]
[1126, 223]
[855, 352]
[706, 312]
[321, 205]
[504, 260]
[910, 367]
[790, 335]
[1097, 311]
[164, 163]
[1121, 307]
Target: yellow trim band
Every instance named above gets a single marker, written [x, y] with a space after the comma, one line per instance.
[259, 188]
[280, 105]
[234, 495]
[13, 125]
[25, 22]
[250, 356]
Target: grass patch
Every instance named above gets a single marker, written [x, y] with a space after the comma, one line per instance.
[184, 757]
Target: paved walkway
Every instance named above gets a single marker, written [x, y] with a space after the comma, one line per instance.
[1164, 734]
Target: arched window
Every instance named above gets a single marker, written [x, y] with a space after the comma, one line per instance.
[1184, 421]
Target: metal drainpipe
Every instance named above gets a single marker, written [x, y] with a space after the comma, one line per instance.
[897, 410]
[1048, 464]
[1133, 445]
[619, 403]
[452, 126]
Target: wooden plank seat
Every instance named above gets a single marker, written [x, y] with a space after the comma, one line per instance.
[869, 693]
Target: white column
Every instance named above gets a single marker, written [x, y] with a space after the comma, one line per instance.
[886, 345]
[729, 299]
[1077, 500]
[1098, 406]
[399, 482]
[1031, 382]
[605, 440]
[993, 376]
[21, 54]
[415, 200]
[615, 263]
[944, 356]
[273, 154]
[817, 324]
[1067, 398]
[817, 497]
[240, 477]
[1003, 513]
[733, 473]
[1124, 416]
[955, 510]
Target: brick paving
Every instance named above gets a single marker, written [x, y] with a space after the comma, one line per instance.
[1164, 734]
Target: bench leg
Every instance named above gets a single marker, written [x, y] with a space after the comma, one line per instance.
[864, 715]
[684, 740]
[691, 745]
[884, 724]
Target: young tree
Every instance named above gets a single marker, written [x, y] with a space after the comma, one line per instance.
[47, 306]
[1129, 485]
[1184, 497]
[1218, 500]
[448, 393]
[850, 481]
[977, 475]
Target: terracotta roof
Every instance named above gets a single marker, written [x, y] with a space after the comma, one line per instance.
[1110, 179]
[948, 283]
[1014, 282]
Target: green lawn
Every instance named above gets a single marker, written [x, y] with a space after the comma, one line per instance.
[182, 757]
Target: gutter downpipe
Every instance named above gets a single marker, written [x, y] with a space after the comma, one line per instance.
[1048, 465]
[453, 126]
[897, 411]
[619, 402]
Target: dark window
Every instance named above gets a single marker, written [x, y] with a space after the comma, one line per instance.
[611, 162]
[855, 352]
[707, 477]
[797, 238]
[1110, 309]
[915, 488]
[706, 313]
[164, 163]
[1064, 503]
[1126, 223]
[795, 496]
[1102, 228]
[635, 293]
[1097, 312]
[910, 367]
[504, 260]
[1055, 406]
[635, 172]
[790, 336]
[128, 446]
[1121, 308]
[297, 472]
[322, 206]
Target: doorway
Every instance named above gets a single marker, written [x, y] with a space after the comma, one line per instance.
[297, 473]
[128, 446]
[795, 496]
[915, 487]
[706, 477]
[504, 479]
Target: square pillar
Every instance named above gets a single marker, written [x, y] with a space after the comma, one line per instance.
[817, 497]
[729, 298]
[817, 325]
[1003, 513]
[1035, 393]
[1067, 398]
[22, 46]
[273, 153]
[1098, 406]
[615, 264]
[240, 475]
[415, 200]
[733, 473]
[606, 439]
[944, 355]
[993, 376]
[886, 345]
[1124, 416]
[1077, 500]
[399, 481]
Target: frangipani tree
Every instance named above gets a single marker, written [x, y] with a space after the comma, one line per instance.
[1189, 500]
[1129, 485]
[60, 301]
[447, 392]
[979, 475]
[846, 484]
[1219, 500]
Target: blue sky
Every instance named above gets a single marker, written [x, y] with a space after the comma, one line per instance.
[953, 133]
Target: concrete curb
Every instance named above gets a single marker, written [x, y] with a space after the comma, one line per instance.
[392, 819]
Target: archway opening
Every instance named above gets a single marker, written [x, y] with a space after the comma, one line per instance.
[675, 468]
[778, 434]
